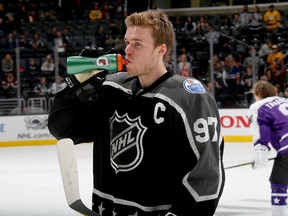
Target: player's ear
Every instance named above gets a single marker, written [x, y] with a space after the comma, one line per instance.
[162, 49]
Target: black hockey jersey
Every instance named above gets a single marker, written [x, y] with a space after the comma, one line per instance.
[156, 150]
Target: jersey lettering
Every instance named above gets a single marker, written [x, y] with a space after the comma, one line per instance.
[159, 107]
[283, 108]
[203, 126]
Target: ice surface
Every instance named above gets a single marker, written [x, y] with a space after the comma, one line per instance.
[31, 185]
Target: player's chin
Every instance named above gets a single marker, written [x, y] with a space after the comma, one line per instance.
[131, 71]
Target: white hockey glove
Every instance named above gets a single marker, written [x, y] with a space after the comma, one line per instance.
[260, 156]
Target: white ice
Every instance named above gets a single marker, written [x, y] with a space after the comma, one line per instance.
[31, 185]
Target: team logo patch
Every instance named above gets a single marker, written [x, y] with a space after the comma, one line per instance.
[102, 61]
[126, 145]
[193, 86]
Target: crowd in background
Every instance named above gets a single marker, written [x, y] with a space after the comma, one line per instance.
[264, 33]
[39, 26]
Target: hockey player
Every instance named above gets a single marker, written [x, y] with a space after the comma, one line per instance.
[157, 137]
[270, 126]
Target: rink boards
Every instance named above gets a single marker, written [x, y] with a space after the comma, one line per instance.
[32, 129]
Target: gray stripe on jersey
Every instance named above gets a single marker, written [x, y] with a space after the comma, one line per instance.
[130, 203]
[185, 121]
[117, 86]
[198, 197]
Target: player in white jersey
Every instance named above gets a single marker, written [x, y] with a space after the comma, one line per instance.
[157, 136]
[269, 124]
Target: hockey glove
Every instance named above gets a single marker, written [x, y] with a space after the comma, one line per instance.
[84, 85]
[260, 156]
[81, 92]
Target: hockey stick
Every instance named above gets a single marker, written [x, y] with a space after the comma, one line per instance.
[69, 173]
[243, 164]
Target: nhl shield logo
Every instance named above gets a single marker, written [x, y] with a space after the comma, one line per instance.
[126, 145]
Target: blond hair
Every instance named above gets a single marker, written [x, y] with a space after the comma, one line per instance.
[163, 32]
[264, 89]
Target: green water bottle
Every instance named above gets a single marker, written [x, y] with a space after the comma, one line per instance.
[110, 62]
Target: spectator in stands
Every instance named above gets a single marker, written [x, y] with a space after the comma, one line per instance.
[280, 71]
[7, 63]
[62, 68]
[48, 65]
[225, 25]
[183, 50]
[24, 43]
[190, 25]
[217, 66]
[286, 92]
[257, 61]
[10, 42]
[47, 15]
[114, 28]
[23, 14]
[2, 28]
[272, 18]
[247, 83]
[3, 12]
[202, 26]
[12, 25]
[52, 34]
[61, 42]
[119, 10]
[110, 41]
[265, 49]
[245, 19]
[169, 63]
[231, 82]
[213, 35]
[106, 11]
[36, 42]
[278, 90]
[33, 17]
[269, 76]
[178, 24]
[58, 85]
[275, 54]
[67, 35]
[231, 73]
[218, 90]
[236, 25]
[184, 67]
[256, 24]
[100, 36]
[96, 13]
[32, 66]
[42, 88]
[9, 84]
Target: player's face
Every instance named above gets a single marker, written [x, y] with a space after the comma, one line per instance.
[141, 54]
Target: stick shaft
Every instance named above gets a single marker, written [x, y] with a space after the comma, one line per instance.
[69, 172]
[244, 164]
